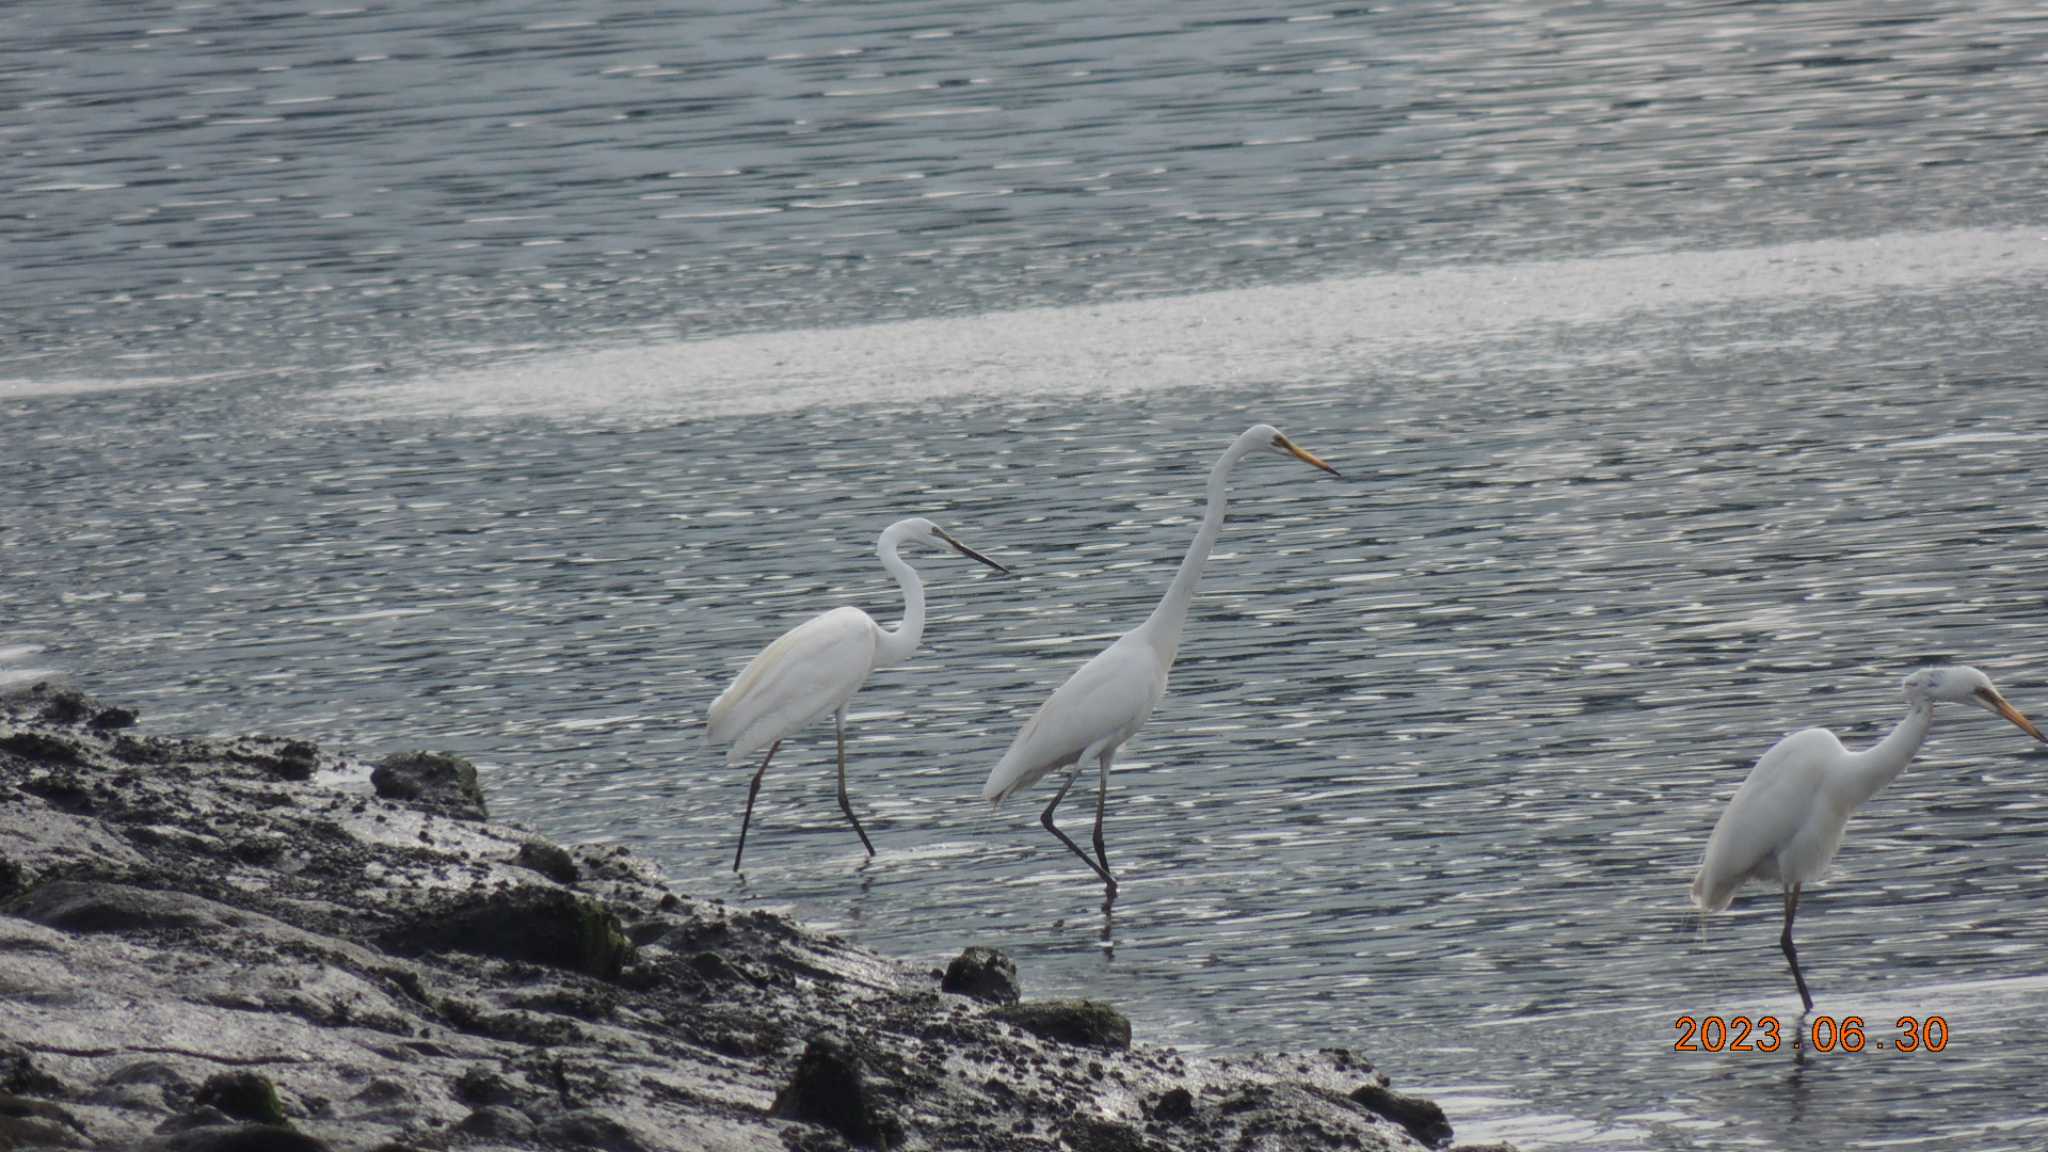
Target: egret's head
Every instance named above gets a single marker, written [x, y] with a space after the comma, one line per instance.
[1275, 441]
[918, 530]
[1962, 684]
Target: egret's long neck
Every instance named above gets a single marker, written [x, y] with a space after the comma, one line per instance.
[899, 642]
[1868, 771]
[1165, 623]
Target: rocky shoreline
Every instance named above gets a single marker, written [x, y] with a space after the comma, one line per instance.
[239, 944]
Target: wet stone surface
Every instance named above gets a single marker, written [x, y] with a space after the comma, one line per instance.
[238, 944]
[984, 974]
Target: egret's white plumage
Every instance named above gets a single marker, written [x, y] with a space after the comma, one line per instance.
[1104, 704]
[809, 671]
[1786, 821]
[816, 667]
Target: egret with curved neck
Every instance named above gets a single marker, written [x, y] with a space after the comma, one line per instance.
[817, 666]
[1105, 703]
[1786, 821]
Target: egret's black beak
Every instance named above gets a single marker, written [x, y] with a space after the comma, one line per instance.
[970, 553]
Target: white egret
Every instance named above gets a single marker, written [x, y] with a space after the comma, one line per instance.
[1109, 698]
[1786, 821]
[817, 666]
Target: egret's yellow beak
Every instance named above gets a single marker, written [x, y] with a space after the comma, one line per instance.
[964, 550]
[1303, 454]
[2003, 708]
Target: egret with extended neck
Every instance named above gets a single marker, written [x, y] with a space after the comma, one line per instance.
[1105, 703]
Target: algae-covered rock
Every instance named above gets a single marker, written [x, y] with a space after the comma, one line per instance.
[1174, 1105]
[1090, 1023]
[550, 860]
[41, 748]
[1422, 1118]
[242, 1095]
[831, 1088]
[432, 780]
[535, 924]
[1095, 1134]
[984, 974]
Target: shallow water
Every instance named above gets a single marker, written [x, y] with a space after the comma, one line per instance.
[1441, 748]
[1671, 421]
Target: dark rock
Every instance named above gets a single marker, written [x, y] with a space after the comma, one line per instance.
[1174, 1105]
[431, 780]
[831, 1088]
[586, 1129]
[537, 925]
[149, 1084]
[984, 974]
[152, 751]
[20, 1076]
[97, 906]
[1422, 1118]
[26, 1123]
[203, 1116]
[110, 719]
[497, 1122]
[242, 1095]
[479, 1087]
[1095, 1134]
[41, 748]
[292, 760]
[713, 967]
[382, 1093]
[550, 860]
[12, 878]
[66, 706]
[1090, 1023]
[238, 1138]
[64, 792]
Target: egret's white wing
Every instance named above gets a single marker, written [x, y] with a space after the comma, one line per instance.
[807, 672]
[1775, 801]
[1105, 702]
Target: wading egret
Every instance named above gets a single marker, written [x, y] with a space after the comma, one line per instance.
[1786, 821]
[817, 666]
[1109, 698]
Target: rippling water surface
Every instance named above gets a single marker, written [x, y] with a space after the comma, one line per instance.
[1684, 367]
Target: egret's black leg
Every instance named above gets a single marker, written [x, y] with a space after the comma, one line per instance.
[845, 805]
[753, 790]
[1791, 953]
[1045, 818]
[1101, 799]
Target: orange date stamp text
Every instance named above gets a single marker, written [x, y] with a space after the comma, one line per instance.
[1822, 1034]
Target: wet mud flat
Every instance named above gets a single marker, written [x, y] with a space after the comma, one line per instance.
[242, 943]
